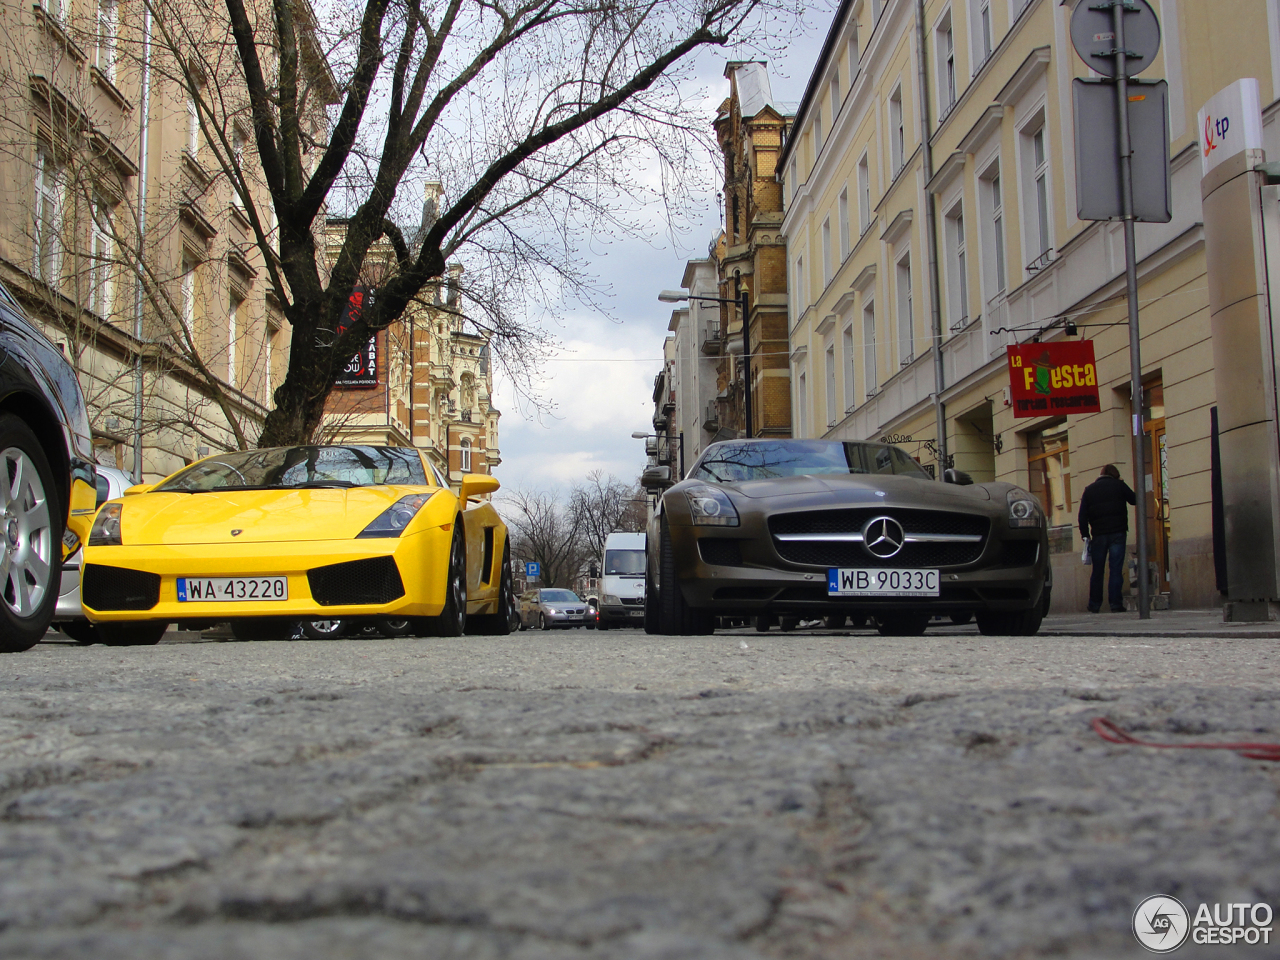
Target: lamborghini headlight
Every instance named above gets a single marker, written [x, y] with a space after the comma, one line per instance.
[106, 528]
[712, 506]
[393, 520]
[1024, 509]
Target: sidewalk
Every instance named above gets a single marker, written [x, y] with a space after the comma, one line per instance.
[1163, 623]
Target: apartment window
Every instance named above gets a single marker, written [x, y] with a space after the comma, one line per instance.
[981, 32]
[802, 399]
[193, 127]
[876, 7]
[55, 8]
[844, 223]
[864, 194]
[187, 294]
[238, 140]
[905, 320]
[465, 448]
[831, 386]
[827, 268]
[793, 177]
[869, 346]
[102, 257]
[233, 323]
[1049, 463]
[995, 239]
[800, 301]
[817, 133]
[1037, 162]
[268, 380]
[47, 218]
[897, 135]
[947, 61]
[957, 269]
[854, 58]
[835, 95]
[108, 32]
[850, 363]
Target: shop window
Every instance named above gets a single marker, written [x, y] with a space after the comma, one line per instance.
[1049, 462]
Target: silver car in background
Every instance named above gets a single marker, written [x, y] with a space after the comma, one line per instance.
[554, 607]
[69, 616]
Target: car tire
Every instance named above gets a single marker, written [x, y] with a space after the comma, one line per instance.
[903, 624]
[1010, 623]
[323, 629]
[834, 621]
[452, 620]
[132, 633]
[763, 622]
[507, 619]
[787, 624]
[33, 567]
[676, 618]
[652, 622]
[390, 628]
[542, 623]
[603, 625]
[81, 631]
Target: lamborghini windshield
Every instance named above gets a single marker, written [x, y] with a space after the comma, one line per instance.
[313, 467]
[732, 462]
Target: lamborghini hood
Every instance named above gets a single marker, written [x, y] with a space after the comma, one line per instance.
[254, 516]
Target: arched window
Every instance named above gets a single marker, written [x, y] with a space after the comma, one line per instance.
[466, 455]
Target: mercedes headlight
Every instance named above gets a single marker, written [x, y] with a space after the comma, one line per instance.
[613, 601]
[711, 506]
[1024, 509]
[393, 520]
[106, 528]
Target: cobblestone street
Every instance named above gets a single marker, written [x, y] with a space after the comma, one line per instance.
[616, 795]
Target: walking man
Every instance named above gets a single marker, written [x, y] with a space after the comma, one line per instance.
[1104, 522]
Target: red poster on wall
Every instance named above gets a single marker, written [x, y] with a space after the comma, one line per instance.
[1053, 378]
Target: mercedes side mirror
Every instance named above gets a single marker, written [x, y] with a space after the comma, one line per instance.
[958, 477]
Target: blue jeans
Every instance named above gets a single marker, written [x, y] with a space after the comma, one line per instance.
[1108, 547]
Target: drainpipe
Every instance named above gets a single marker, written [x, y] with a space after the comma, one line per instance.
[143, 123]
[931, 233]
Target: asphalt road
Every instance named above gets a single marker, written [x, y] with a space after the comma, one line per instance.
[614, 795]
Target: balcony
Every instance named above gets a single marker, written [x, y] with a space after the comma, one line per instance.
[711, 419]
[712, 343]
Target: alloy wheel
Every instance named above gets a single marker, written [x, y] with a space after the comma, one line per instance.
[26, 526]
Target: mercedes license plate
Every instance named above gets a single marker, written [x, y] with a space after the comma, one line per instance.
[228, 589]
[872, 582]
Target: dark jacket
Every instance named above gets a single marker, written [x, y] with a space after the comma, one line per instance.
[1104, 507]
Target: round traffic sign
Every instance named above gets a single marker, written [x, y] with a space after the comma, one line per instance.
[1093, 35]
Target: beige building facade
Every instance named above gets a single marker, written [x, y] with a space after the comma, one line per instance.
[992, 168]
[120, 231]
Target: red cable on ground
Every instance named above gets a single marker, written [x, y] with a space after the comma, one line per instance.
[1108, 731]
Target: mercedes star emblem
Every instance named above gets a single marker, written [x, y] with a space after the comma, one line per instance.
[883, 537]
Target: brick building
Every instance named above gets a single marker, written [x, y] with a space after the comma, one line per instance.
[750, 127]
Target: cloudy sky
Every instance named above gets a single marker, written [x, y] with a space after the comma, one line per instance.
[601, 380]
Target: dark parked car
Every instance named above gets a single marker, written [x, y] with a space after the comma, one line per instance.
[816, 528]
[47, 484]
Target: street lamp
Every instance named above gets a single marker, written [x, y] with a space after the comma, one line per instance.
[679, 296]
[641, 435]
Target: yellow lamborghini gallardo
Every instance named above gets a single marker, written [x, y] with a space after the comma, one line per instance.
[268, 538]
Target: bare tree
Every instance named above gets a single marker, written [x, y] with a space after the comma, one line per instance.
[542, 120]
[601, 505]
[543, 530]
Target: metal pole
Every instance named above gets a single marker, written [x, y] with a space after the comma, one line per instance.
[144, 121]
[746, 360]
[681, 454]
[1131, 284]
[931, 245]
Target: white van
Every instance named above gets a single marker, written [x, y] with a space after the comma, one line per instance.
[622, 581]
